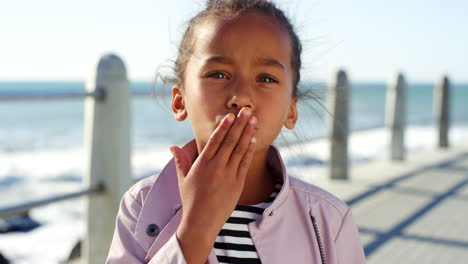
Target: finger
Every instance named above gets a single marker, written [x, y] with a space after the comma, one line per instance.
[232, 138]
[182, 162]
[244, 164]
[217, 137]
[191, 150]
[243, 144]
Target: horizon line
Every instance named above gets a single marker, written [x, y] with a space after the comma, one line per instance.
[46, 80]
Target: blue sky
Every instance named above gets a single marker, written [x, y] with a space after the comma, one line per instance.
[371, 39]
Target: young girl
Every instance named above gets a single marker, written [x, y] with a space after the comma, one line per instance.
[226, 196]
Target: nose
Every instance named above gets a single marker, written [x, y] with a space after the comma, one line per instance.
[241, 95]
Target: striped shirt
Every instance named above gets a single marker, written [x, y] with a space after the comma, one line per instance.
[234, 244]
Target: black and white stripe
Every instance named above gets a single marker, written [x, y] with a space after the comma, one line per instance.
[234, 244]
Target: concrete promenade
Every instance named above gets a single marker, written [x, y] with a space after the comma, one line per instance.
[414, 211]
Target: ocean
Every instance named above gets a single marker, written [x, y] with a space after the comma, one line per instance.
[41, 147]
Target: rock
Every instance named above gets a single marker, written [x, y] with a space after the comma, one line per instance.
[3, 260]
[75, 253]
[18, 223]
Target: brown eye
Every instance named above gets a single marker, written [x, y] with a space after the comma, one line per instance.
[218, 75]
[267, 79]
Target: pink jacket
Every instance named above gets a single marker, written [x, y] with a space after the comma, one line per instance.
[304, 224]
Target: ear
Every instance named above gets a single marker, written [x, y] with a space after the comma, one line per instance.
[291, 119]
[178, 103]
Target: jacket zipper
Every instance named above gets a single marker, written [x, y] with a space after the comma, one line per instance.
[319, 240]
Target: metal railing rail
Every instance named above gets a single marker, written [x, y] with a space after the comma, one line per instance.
[99, 94]
[23, 208]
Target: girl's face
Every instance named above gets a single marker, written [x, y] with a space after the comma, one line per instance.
[239, 62]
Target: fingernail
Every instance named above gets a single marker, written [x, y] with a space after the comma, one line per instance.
[252, 121]
[247, 111]
[230, 117]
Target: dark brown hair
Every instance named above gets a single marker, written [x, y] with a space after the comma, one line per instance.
[230, 9]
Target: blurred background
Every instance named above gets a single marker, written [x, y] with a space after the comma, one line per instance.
[50, 45]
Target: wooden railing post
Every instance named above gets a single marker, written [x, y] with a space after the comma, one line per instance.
[338, 125]
[107, 150]
[396, 116]
[442, 111]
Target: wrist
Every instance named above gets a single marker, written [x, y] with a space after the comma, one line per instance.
[194, 233]
[195, 244]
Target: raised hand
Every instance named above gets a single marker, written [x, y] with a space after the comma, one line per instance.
[211, 187]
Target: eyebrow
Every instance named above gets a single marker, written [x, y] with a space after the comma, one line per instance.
[219, 59]
[258, 61]
[269, 62]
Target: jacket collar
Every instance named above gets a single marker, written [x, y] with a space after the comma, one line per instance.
[276, 164]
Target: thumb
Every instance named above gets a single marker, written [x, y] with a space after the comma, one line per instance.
[181, 160]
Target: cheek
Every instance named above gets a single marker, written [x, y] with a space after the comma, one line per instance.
[273, 114]
[203, 110]
[198, 110]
